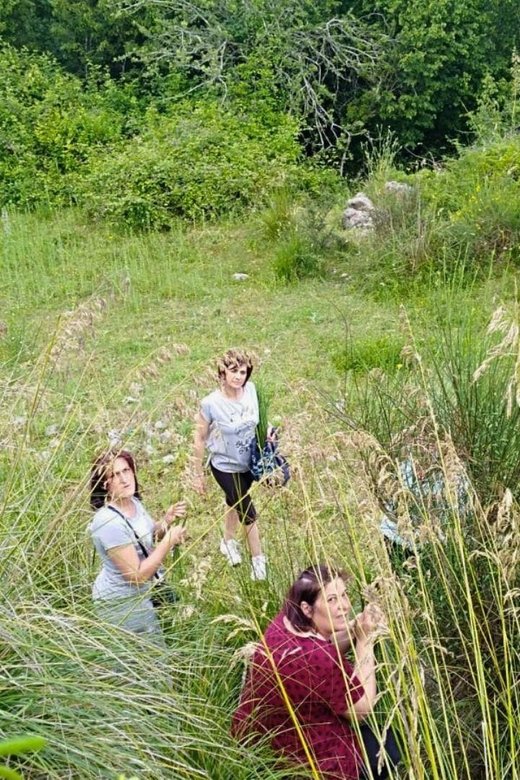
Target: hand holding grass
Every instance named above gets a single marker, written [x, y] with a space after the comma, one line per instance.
[175, 535]
[344, 640]
[369, 622]
[174, 511]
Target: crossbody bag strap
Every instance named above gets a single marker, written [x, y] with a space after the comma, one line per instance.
[139, 542]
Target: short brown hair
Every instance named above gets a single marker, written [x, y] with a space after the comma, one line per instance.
[233, 358]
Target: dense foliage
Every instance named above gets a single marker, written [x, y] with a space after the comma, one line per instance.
[342, 68]
[202, 162]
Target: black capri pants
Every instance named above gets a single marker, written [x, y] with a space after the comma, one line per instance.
[372, 747]
[236, 488]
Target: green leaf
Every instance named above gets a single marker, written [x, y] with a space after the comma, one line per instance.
[13, 747]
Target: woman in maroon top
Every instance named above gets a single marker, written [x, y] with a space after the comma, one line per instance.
[303, 693]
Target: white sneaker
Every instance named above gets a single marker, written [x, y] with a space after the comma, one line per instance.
[231, 552]
[258, 568]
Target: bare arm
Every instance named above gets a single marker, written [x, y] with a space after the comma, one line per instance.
[365, 664]
[136, 571]
[199, 443]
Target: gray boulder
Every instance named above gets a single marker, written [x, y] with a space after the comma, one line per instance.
[359, 213]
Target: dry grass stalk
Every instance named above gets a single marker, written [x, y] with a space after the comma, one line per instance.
[506, 530]
[74, 327]
[508, 347]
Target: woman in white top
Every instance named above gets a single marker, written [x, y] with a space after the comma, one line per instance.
[131, 545]
[226, 423]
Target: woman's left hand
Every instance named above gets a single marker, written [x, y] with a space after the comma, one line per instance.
[175, 511]
[369, 622]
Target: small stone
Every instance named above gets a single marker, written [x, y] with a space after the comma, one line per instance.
[160, 425]
[238, 277]
[18, 421]
[169, 459]
[52, 430]
[130, 399]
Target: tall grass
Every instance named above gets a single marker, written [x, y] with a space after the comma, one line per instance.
[127, 364]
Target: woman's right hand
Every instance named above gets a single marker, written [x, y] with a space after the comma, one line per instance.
[175, 535]
[199, 484]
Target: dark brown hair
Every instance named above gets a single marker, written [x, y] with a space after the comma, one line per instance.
[307, 588]
[101, 469]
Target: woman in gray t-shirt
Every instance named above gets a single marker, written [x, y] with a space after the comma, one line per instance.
[226, 424]
[122, 532]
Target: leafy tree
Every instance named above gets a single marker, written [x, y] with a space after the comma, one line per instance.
[26, 23]
[49, 126]
[442, 51]
[89, 33]
[80, 34]
[303, 57]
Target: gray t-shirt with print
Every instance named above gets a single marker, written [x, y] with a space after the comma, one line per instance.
[231, 428]
[108, 530]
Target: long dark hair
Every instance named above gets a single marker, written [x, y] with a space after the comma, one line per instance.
[98, 475]
[307, 588]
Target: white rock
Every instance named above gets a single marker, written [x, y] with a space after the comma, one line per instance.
[130, 400]
[353, 218]
[168, 459]
[360, 202]
[398, 187]
[19, 421]
[52, 430]
[160, 425]
[240, 277]
[358, 213]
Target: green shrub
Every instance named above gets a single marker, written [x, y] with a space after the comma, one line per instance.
[49, 124]
[476, 201]
[201, 163]
[361, 356]
[279, 216]
[296, 258]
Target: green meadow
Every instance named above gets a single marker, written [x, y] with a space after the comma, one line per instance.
[111, 337]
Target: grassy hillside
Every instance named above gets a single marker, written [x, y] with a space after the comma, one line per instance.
[106, 337]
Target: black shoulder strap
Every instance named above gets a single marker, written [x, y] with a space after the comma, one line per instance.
[139, 542]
